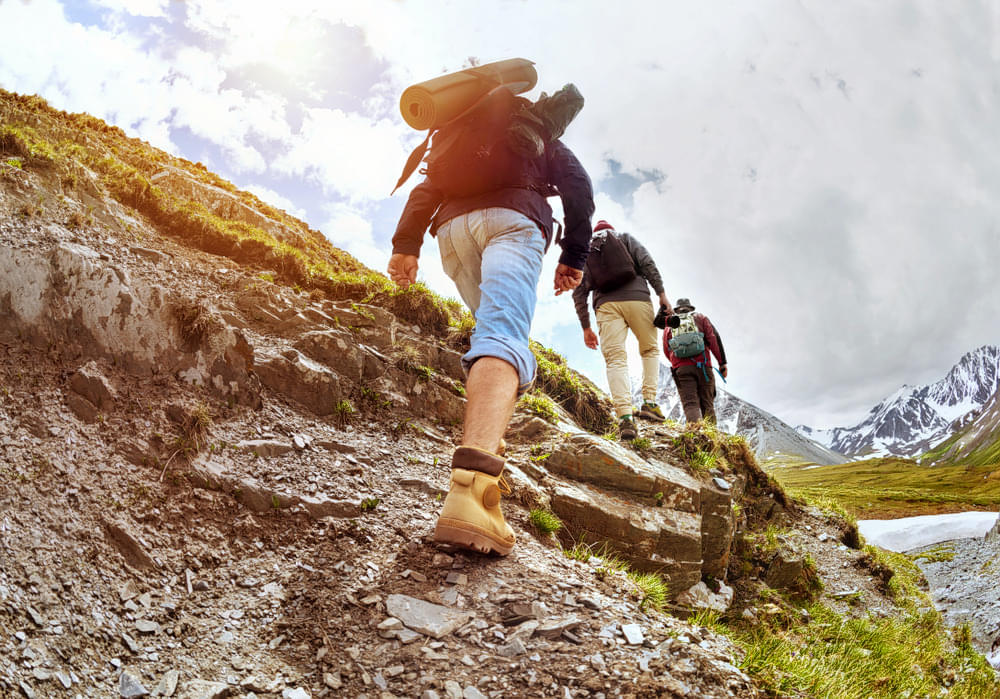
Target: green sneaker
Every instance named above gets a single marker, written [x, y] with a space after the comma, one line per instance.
[627, 430]
[651, 411]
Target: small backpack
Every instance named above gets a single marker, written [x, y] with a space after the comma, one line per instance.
[686, 339]
[609, 264]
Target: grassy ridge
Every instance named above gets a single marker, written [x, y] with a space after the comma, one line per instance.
[984, 453]
[892, 487]
[70, 150]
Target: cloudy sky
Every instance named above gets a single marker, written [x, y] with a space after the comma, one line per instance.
[821, 178]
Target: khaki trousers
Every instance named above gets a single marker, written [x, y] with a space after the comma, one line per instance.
[614, 320]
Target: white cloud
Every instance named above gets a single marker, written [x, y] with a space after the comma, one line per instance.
[346, 153]
[136, 8]
[350, 229]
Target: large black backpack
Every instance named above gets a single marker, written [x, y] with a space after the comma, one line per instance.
[609, 264]
[470, 155]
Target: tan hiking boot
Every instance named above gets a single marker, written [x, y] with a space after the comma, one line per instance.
[471, 516]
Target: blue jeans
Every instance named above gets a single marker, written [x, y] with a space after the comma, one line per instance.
[494, 256]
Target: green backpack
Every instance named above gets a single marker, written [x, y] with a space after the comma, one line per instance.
[686, 340]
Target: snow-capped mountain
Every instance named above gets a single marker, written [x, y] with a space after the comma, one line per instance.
[771, 439]
[976, 440]
[914, 418]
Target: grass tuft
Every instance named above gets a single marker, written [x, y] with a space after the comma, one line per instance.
[653, 588]
[544, 521]
[540, 405]
[577, 394]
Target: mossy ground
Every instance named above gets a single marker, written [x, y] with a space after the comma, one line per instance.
[890, 487]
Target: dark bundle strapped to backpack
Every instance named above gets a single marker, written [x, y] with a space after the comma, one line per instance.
[609, 265]
[487, 146]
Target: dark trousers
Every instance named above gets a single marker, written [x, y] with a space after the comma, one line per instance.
[697, 394]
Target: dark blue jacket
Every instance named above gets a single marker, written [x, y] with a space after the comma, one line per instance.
[557, 167]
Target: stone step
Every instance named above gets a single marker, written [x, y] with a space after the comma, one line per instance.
[591, 459]
[650, 538]
[295, 376]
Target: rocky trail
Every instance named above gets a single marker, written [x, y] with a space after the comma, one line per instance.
[962, 575]
[215, 482]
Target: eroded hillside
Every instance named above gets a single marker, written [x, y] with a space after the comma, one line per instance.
[224, 443]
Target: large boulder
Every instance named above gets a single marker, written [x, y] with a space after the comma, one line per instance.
[609, 465]
[649, 537]
[718, 527]
[295, 376]
[994, 533]
[72, 297]
[335, 348]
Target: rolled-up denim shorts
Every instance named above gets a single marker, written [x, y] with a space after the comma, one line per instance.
[494, 256]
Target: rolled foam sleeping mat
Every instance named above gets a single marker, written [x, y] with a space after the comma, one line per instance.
[436, 101]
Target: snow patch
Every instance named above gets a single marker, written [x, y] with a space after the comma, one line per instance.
[908, 533]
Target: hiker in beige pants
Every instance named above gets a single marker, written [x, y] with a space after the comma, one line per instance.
[619, 273]
[614, 320]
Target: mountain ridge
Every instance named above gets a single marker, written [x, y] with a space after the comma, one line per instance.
[914, 418]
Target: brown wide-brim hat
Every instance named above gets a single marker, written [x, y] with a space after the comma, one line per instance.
[683, 306]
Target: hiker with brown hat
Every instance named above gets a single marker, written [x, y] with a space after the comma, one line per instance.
[484, 198]
[689, 342]
[619, 272]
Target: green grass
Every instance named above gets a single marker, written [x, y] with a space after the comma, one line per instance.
[343, 410]
[893, 487]
[540, 405]
[702, 461]
[577, 394]
[544, 521]
[832, 656]
[937, 554]
[25, 142]
[653, 590]
[839, 657]
[582, 551]
[642, 444]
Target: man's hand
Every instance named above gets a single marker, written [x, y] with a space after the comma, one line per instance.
[665, 303]
[567, 278]
[590, 338]
[724, 370]
[403, 269]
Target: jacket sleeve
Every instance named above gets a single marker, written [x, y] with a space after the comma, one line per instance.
[722, 350]
[567, 175]
[416, 217]
[643, 262]
[711, 341]
[580, 296]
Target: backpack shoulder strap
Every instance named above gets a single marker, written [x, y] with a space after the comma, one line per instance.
[412, 162]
